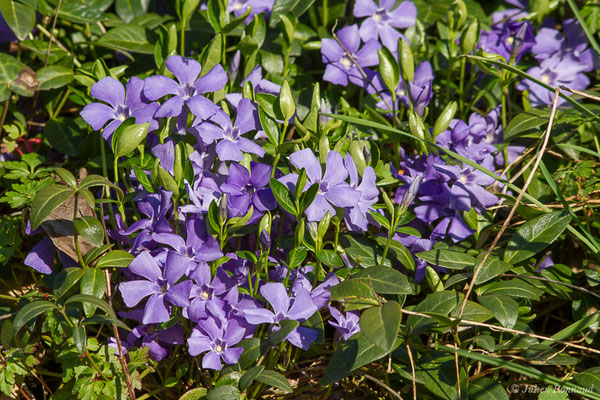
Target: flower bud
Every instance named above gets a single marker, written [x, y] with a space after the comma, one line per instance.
[313, 229]
[223, 208]
[406, 60]
[411, 193]
[443, 121]
[299, 234]
[470, 37]
[265, 240]
[517, 44]
[358, 156]
[457, 14]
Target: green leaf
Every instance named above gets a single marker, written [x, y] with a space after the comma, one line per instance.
[90, 229]
[225, 392]
[274, 379]
[492, 268]
[285, 327]
[514, 288]
[389, 70]
[46, 201]
[380, 324]
[282, 7]
[448, 259]
[504, 308]
[526, 122]
[129, 138]
[9, 71]
[269, 126]
[284, 196]
[53, 77]
[67, 177]
[253, 348]
[211, 54]
[67, 279]
[535, 235]
[590, 378]
[330, 258]
[384, 280]
[19, 16]
[362, 250]
[247, 379]
[97, 180]
[380, 218]
[296, 257]
[115, 259]
[354, 293]
[440, 303]
[194, 394]
[131, 38]
[31, 311]
[80, 338]
[64, 135]
[82, 12]
[93, 283]
[129, 9]
[286, 101]
[86, 298]
[351, 355]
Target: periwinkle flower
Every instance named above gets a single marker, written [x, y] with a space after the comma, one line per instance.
[155, 207]
[122, 105]
[333, 188]
[217, 339]
[299, 309]
[501, 38]
[160, 284]
[206, 289]
[345, 325]
[249, 188]
[340, 67]
[187, 90]
[259, 84]
[467, 190]
[231, 143]
[382, 20]
[239, 7]
[420, 90]
[356, 216]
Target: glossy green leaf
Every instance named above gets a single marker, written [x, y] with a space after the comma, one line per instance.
[354, 293]
[54, 76]
[492, 268]
[286, 101]
[129, 38]
[330, 258]
[92, 300]
[9, 71]
[93, 283]
[384, 280]
[250, 376]
[504, 308]
[284, 196]
[31, 311]
[389, 69]
[46, 201]
[66, 279]
[19, 16]
[225, 392]
[115, 259]
[129, 138]
[535, 235]
[274, 379]
[80, 338]
[285, 327]
[448, 259]
[90, 229]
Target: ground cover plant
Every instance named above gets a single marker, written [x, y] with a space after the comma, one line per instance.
[299, 199]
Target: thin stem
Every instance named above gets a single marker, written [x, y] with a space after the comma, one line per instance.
[3, 118]
[75, 234]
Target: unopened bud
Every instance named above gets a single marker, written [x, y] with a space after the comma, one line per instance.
[517, 44]
[411, 193]
[223, 207]
[470, 37]
[313, 229]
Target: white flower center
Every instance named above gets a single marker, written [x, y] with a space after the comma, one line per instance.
[546, 78]
[204, 295]
[218, 349]
[510, 40]
[346, 62]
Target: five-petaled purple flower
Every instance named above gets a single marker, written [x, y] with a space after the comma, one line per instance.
[217, 338]
[249, 188]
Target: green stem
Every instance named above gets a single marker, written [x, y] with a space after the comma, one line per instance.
[325, 13]
[75, 234]
[61, 104]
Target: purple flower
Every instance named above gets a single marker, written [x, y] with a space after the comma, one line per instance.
[347, 325]
[356, 216]
[259, 84]
[420, 89]
[299, 309]
[245, 189]
[340, 68]
[554, 71]
[333, 189]
[467, 190]
[231, 142]
[122, 106]
[383, 18]
[206, 289]
[501, 38]
[188, 90]
[155, 207]
[160, 284]
[239, 7]
[217, 338]
[41, 257]
[319, 295]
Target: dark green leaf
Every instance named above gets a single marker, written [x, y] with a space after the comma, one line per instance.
[535, 235]
[90, 229]
[46, 201]
[330, 258]
[296, 256]
[284, 196]
[253, 348]
[226, 392]
[282, 7]
[54, 76]
[211, 54]
[129, 138]
[31, 311]
[441, 303]
[274, 379]
[67, 279]
[249, 376]
[590, 378]
[448, 259]
[526, 122]
[115, 259]
[9, 71]
[362, 250]
[354, 293]
[492, 268]
[93, 283]
[19, 16]
[194, 394]
[269, 126]
[285, 327]
[85, 298]
[127, 38]
[80, 338]
[64, 135]
[384, 280]
[380, 324]
[514, 288]
[504, 308]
